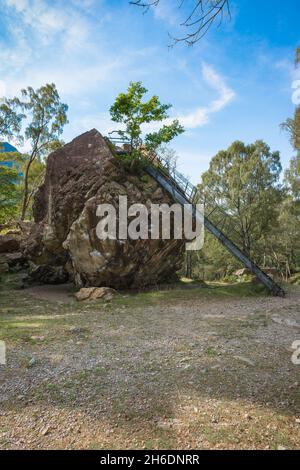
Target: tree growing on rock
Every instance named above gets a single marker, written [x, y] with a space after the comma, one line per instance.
[130, 110]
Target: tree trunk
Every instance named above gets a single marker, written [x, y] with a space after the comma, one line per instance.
[25, 193]
[188, 272]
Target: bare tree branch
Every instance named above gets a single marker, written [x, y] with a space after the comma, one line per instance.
[203, 14]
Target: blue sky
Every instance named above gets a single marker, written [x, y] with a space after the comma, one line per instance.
[235, 84]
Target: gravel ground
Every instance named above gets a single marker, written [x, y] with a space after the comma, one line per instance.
[204, 368]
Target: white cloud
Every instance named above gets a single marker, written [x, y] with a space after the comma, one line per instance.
[100, 121]
[201, 115]
[72, 79]
[19, 5]
[47, 20]
[52, 42]
[85, 4]
[167, 11]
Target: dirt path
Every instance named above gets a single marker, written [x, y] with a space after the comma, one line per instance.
[202, 369]
[52, 293]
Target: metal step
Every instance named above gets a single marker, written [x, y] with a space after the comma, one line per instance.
[176, 189]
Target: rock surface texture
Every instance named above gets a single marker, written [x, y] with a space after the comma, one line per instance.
[11, 256]
[63, 243]
[94, 293]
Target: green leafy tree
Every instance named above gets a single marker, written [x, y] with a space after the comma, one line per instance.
[9, 194]
[244, 181]
[10, 118]
[292, 177]
[130, 110]
[292, 125]
[46, 117]
[282, 244]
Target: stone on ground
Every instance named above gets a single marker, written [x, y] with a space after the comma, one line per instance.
[94, 293]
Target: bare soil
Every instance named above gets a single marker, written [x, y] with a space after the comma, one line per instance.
[204, 368]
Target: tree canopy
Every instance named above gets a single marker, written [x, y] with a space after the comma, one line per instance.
[130, 110]
[38, 118]
[11, 118]
[244, 181]
[9, 194]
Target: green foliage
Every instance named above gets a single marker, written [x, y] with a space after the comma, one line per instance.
[130, 110]
[9, 194]
[35, 179]
[167, 133]
[44, 117]
[296, 279]
[282, 245]
[10, 118]
[243, 180]
[133, 162]
[292, 126]
[292, 177]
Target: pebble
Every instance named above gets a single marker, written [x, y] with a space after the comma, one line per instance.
[32, 362]
[45, 431]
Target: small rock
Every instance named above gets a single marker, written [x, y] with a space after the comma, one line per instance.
[281, 448]
[245, 360]
[76, 329]
[37, 338]
[93, 293]
[45, 430]
[286, 322]
[84, 293]
[32, 362]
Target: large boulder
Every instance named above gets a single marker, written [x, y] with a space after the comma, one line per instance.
[4, 267]
[11, 256]
[79, 177]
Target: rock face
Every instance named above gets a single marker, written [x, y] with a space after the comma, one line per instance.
[63, 242]
[10, 242]
[11, 256]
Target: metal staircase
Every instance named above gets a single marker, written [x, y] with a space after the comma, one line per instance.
[184, 192]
